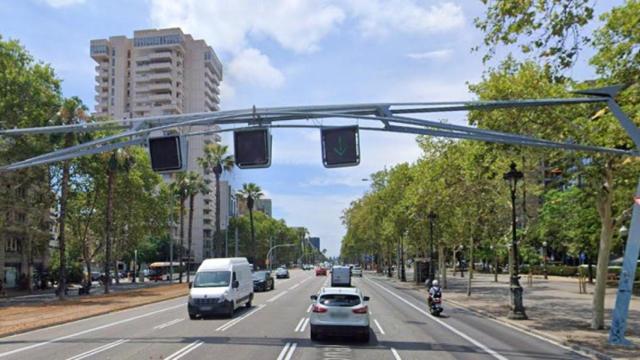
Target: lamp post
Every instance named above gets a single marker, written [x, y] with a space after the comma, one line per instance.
[517, 308]
[544, 259]
[432, 217]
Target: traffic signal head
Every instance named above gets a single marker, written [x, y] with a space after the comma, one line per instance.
[252, 148]
[168, 153]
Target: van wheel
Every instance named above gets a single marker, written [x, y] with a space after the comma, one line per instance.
[231, 309]
[193, 316]
[248, 304]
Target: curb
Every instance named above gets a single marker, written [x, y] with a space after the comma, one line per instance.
[582, 350]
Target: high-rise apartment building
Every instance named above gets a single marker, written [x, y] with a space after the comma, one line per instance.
[163, 72]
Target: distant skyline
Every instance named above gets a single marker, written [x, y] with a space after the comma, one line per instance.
[288, 53]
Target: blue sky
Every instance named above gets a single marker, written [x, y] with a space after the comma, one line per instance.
[287, 53]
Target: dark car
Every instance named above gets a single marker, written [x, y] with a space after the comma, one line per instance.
[262, 281]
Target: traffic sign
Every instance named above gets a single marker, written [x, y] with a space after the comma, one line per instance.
[252, 148]
[340, 146]
[167, 153]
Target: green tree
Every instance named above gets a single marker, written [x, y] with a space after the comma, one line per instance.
[217, 159]
[250, 192]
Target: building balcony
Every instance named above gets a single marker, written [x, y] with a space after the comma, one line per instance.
[161, 97]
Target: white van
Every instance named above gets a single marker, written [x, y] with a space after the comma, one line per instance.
[220, 286]
[340, 276]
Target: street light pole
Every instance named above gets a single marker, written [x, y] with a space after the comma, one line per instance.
[517, 307]
[544, 259]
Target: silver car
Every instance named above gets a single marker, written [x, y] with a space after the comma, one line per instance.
[340, 312]
[356, 271]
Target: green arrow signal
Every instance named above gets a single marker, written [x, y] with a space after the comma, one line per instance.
[341, 149]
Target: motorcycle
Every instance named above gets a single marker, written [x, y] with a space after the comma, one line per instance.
[435, 303]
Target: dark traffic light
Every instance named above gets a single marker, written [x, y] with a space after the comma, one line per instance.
[252, 148]
[166, 153]
[340, 146]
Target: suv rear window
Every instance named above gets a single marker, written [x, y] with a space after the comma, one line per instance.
[339, 300]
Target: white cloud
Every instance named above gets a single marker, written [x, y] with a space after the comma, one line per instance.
[252, 67]
[378, 17]
[441, 54]
[296, 25]
[63, 3]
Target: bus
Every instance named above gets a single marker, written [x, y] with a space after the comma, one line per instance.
[160, 270]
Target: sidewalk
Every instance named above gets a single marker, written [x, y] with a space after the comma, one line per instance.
[555, 309]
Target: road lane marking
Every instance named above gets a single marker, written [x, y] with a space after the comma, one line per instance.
[36, 345]
[309, 308]
[229, 324]
[379, 327]
[185, 350]
[277, 296]
[395, 354]
[451, 328]
[299, 324]
[304, 325]
[167, 324]
[294, 286]
[284, 351]
[287, 351]
[99, 349]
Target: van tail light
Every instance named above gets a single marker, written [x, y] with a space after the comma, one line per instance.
[361, 310]
[319, 308]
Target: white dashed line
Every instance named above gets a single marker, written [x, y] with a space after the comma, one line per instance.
[395, 354]
[229, 324]
[98, 350]
[277, 296]
[379, 327]
[185, 350]
[287, 351]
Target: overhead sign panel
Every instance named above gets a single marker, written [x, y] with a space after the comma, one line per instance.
[340, 146]
[252, 148]
[168, 153]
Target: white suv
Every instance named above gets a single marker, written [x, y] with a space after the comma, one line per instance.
[340, 312]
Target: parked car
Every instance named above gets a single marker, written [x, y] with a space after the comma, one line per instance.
[356, 271]
[340, 312]
[282, 273]
[320, 271]
[262, 281]
[95, 275]
[220, 286]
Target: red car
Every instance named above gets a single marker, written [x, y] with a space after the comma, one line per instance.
[321, 271]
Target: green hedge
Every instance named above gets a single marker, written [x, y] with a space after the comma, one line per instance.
[555, 270]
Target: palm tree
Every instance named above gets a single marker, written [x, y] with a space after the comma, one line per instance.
[194, 185]
[216, 159]
[72, 111]
[118, 160]
[179, 190]
[251, 192]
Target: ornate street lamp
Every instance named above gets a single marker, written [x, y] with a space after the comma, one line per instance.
[432, 217]
[517, 308]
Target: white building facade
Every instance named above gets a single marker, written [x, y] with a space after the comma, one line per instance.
[163, 72]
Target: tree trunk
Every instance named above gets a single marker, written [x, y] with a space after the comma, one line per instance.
[190, 236]
[495, 265]
[604, 203]
[443, 267]
[253, 237]
[180, 249]
[217, 237]
[62, 276]
[470, 266]
[109, 220]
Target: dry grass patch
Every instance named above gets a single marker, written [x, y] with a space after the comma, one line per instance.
[21, 318]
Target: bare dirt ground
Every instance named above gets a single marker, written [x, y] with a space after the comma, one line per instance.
[23, 317]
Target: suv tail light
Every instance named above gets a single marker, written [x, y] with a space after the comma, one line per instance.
[361, 310]
[319, 308]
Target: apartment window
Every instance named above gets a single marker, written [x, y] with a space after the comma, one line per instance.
[13, 245]
[157, 40]
[113, 81]
[128, 93]
[113, 52]
[113, 91]
[207, 221]
[100, 49]
[128, 63]
[112, 101]
[128, 54]
[113, 72]
[113, 61]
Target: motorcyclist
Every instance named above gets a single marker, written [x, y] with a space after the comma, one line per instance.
[434, 291]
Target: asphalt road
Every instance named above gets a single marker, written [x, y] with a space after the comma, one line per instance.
[276, 327]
